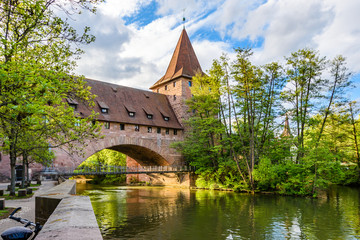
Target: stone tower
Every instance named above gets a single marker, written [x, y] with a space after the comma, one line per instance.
[177, 81]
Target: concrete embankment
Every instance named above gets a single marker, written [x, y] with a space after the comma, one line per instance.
[67, 216]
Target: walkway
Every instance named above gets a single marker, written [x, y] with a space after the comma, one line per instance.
[27, 206]
[116, 170]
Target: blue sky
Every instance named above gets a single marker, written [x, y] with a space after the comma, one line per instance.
[136, 38]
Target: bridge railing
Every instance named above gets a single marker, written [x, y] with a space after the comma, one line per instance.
[105, 169]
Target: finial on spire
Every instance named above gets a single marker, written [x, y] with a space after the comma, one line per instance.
[184, 18]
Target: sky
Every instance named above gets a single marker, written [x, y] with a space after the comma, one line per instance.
[135, 39]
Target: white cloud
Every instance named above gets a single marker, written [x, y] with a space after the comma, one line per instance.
[343, 34]
[206, 51]
[138, 56]
[122, 8]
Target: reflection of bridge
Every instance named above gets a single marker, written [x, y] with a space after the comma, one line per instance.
[116, 170]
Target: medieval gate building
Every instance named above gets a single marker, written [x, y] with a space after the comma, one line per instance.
[138, 123]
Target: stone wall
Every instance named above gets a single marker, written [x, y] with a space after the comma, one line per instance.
[66, 216]
[151, 147]
[4, 168]
[177, 94]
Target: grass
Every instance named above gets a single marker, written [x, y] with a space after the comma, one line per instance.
[8, 197]
[6, 212]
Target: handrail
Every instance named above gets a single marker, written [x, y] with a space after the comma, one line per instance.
[114, 170]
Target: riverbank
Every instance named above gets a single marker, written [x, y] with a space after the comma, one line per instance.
[27, 205]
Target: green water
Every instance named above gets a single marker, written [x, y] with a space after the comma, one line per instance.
[170, 213]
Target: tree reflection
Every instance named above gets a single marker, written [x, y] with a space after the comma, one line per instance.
[167, 213]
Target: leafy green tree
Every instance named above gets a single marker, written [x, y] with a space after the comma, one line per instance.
[337, 86]
[256, 91]
[305, 83]
[105, 157]
[37, 54]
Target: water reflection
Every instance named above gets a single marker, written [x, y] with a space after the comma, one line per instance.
[168, 213]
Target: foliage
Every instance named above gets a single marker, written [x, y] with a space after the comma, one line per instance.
[38, 50]
[106, 157]
[235, 139]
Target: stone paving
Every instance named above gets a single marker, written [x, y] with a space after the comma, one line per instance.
[27, 205]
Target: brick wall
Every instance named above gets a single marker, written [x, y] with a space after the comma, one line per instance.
[177, 94]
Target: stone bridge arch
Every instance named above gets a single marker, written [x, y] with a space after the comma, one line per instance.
[146, 151]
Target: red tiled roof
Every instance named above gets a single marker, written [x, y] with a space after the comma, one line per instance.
[121, 100]
[184, 62]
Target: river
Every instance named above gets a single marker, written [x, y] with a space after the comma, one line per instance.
[172, 213]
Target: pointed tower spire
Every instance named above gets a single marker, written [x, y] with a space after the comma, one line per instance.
[184, 62]
[286, 131]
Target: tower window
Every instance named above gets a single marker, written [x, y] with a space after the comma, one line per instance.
[149, 129]
[122, 126]
[190, 83]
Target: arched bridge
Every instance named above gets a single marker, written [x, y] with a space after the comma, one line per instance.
[117, 170]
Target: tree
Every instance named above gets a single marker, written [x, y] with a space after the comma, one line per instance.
[37, 53]
[305, 83]
[340, 82]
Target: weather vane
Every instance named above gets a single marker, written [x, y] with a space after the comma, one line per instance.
[184, 18]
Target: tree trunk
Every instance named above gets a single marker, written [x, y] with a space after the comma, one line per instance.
[23, 170]
[12, 170]
[27, 172]
[353, 123]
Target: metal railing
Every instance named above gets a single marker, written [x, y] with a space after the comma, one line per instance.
[114, 170]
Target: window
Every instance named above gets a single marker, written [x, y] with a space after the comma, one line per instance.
[74, 106]
[137, 128]
[175, 131]
[132, 114]
[107, 125]
[149, 129]
[190, 83]
[174, 84]
[174, 97]
[158, 130]
[122, 126]
[72, 103]
[165, 87]
[149, 116]
[157, 90]
[167, 131]
[104, 108]
[166, 118]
